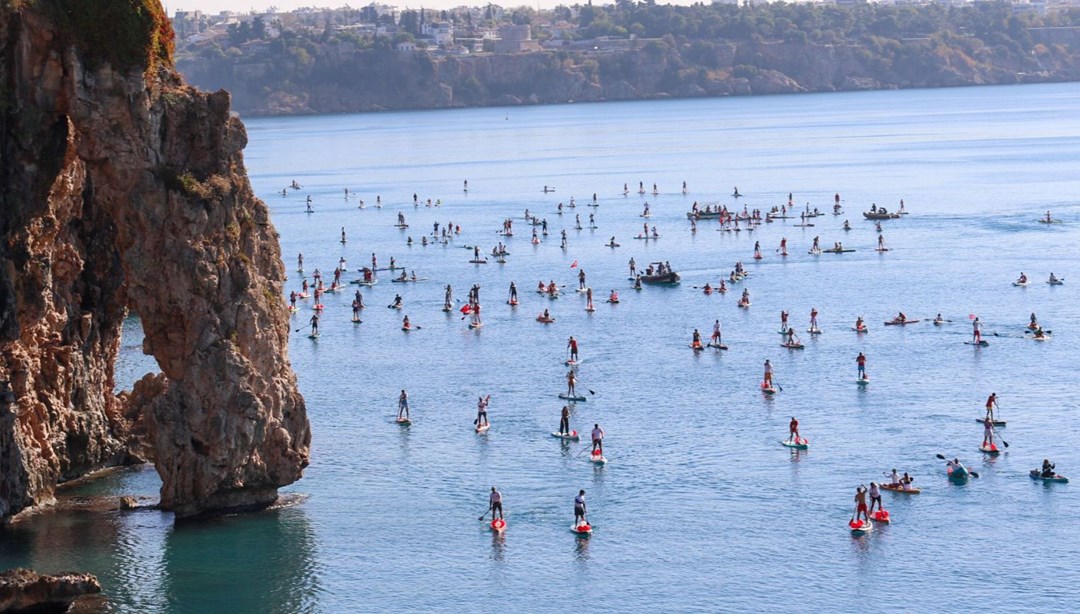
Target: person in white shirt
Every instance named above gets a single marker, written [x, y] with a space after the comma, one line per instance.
[598, 438]
[579, 509]
[495, 501]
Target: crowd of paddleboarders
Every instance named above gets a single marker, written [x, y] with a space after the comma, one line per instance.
[868, 508]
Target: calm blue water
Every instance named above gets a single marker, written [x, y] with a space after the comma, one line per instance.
[699, 507]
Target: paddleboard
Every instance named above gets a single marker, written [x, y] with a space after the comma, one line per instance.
[478, 261]
[571, 363]
[860, 527]
[581, 530]
[498, 525]
[408, 328]
[991, 449]
[899, 489]
[318, 307]
[596, 457]
[792, 346]
[768, 389]
[814, 331]
[719, 346]
[404, 421]
[482, 428]
[1037, 475]
[357, 321]
[860, 330]
[996, 422]
[982, 344]
[447, 308]
[863, 381]
[801, 444]
[697, 348]
[547, 321]
[475, 325]
[570, 398]
[744, 305]
[512, 303]
[881, 516]
[313, 336]
[572, 435]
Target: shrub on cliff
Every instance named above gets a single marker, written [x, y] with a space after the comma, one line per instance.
[126, 34]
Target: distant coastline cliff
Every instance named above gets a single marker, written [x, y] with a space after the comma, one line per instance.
[625, 52]
[124, 191]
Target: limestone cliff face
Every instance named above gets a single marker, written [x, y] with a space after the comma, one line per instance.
[124, 189]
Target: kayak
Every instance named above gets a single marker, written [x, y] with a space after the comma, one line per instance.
[1020, 284]
[900, 489]
[1057, 477]
[996, 422]
[899, 323]
[860, 527]
[498, 525]
[483, 428]
[860, 330]
[959, 473]
[991, 449]
[572, 435]
[881, 516]
[801, 444]
[582, 530]
[596, 457]
[570, 398]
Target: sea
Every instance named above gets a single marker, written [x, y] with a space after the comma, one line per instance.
[698, 508]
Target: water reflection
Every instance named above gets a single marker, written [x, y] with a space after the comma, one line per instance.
[262, 562]
[498, 545]
[581, 549]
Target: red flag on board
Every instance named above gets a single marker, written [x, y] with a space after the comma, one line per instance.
[574, 265]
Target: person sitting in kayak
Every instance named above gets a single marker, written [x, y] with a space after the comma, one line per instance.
[405, 323]
[722, 288]
[598, 439]
[860, 501]
[552, 289]
[540, 289]
[1047, 469]
[991, 403]
[495, 501]
[954, 464]
[1053, 279]
[481, 410]
[767, 381]
[894, 478]
[875, 497]
[613, 297]
[403, 276]
[571, 380]
[847, 226]
[564, 421]
[708, 289]
[900, 318]
[696, 343]
[988, 433]
[579, 509]
[793, 430]
[859, 325]
[545, 317]
[1039, 334]
[1023, 278]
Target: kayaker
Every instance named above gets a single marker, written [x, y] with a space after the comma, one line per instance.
[403, 405]
[793, 430]
[564, 421]
[405, 323]
[859, 325]
[988, 433]
[875, 497]
[1023, 278]
[901, 317]
[495, 501]
[894, 478]
[991, 404]
[598, 439]
[861, 362]
[767, 382]
[1053, 279]
[579, 509]
[906, 481]
[860, 501]
[613, 297]
[397, 302]
[954, 464]
[571, 380]
[1047, 469]
[572, 346]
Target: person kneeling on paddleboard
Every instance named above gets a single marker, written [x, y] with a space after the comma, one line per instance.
[793, 430]
[564, 421]
[598, 439]
[495, 501]
[579, 509]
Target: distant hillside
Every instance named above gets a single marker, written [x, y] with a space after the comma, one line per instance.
[643, 50]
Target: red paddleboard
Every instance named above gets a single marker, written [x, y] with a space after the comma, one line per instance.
[881, 516]
[583, 529]
[498, 525]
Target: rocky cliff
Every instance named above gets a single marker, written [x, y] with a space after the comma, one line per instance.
[124, 190]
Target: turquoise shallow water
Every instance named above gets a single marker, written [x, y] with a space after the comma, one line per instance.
[699, 508]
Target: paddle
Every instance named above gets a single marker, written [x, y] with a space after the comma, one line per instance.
[994, 431]
[484, 515]
[589, 389]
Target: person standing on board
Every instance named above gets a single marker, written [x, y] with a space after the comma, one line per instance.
[564, 421]
[976, 333]
[861, 362]
[633, 268]
[495, 503]
[572, 346]
[767, 382]
[315, 325]
[716, 333]
[481, 410]
[403, 405]
[579, 509]
[988, 433]
[813, 319]
[793, 430]
[571, 379]
[598, 439]
[875, 497]
[991, 403]
[860, 502]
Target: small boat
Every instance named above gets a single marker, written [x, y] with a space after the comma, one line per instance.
[991, 449]
[572, 435]
[900, 489]
[880, 214]
[670, 277]
[800, 444]
[1057, 477]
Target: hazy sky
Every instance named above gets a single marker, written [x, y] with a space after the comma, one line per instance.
[216, 6]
